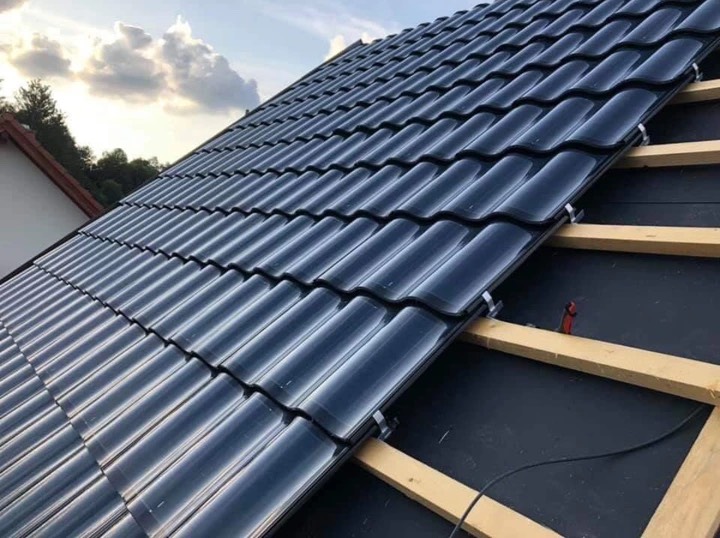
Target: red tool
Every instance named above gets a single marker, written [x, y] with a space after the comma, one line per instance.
[568, 318]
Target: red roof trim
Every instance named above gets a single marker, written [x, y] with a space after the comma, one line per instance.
[26, 141]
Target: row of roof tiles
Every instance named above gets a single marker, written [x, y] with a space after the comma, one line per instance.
[311, 350]
[526, 189]
[502, 55]
[454, 110]
[575, 123]
[539, 21]
[112, 430]
[444, 265]
[469, 88]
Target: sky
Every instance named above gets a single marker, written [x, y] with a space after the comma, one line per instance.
[158, 77]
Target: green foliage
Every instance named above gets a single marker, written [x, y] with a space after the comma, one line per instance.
[123, 176]
[109, 178]
[35, 107]
[110, 190]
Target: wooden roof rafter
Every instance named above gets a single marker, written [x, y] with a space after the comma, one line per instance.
[687, 378]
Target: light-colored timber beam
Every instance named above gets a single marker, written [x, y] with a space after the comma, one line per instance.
[691, 506]
[679, 376]
[445, 496]
[680, 154]
[707, 90]
[669, 240]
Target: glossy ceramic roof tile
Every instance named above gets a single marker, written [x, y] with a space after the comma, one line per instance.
[523, 188]
[576, 19]
[196, 360]
[375, 141]
[590, 123]
[49, 482]
[389, 261]
[289, 341]
[124, 433]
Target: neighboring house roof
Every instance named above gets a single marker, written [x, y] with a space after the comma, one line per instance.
[223, 339]
[23, 138]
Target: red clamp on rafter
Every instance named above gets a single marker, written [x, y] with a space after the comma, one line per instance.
[568, 318]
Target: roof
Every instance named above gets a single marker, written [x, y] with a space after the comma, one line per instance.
[24, 139]
[477, 412]
[315, 257]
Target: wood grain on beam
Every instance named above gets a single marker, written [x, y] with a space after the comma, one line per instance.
[680, 154]
[691, 506]
[697, 92]
[445, 496]
[676, 241]
[679, 376]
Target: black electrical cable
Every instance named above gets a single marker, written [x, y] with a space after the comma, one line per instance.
[626, 450]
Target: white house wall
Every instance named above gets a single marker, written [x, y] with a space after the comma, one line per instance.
[34, 212]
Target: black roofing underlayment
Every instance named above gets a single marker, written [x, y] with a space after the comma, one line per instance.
[197, 361]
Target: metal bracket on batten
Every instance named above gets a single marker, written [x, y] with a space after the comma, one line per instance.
[385, 428]
[698, 73]
[574, 215]
[493, 307]
[645, 136]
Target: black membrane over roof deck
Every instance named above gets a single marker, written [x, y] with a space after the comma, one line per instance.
[311, 260]
[682, 196]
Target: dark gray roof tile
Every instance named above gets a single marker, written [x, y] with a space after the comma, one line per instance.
[195, 361]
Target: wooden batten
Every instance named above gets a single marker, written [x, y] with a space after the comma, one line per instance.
[698, 92]
[691, 506]
[674, 375]
[445, 496]
[680, 154]
[668, 240]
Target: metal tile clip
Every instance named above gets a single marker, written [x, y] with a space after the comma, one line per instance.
[698, 73]
[385, 428]
[644, 133]
[575, 215]
[493, 307]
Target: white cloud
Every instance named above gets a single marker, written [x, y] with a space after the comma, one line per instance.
[39, 56]
[201, 76]
[124, 67]
[7, 5]
[122, 87]
[337, 45]
[182, 73]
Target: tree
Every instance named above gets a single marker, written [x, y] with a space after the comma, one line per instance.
[87, 156]
[112, 165]
[110, 192]
[35, 106]
[127, 175]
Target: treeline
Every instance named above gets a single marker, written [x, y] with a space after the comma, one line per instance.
[108, 178]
